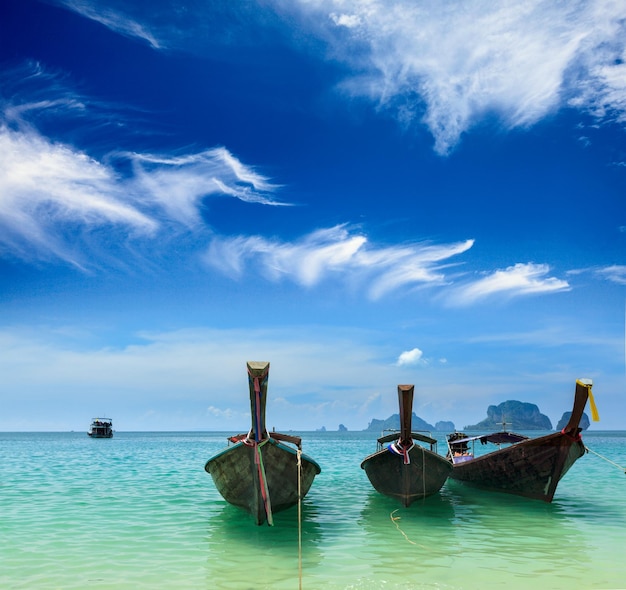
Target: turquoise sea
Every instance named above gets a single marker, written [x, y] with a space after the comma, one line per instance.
[139, 511]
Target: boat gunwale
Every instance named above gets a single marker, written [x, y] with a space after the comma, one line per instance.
[270, 440]
[415, 448]
[538, 441]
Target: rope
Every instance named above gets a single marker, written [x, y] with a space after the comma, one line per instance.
[258, 443]
[299, 455]
[607, 460]
[396, 518]
[265, 493]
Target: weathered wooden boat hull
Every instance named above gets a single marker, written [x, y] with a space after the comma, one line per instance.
[534, 467]
[531, 469]
[409, 472]
[422, 477]
[259, 473]
[235, 472]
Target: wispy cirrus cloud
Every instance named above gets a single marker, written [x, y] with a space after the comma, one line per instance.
[50, 189]
[448, 65]
[114, 19]
[45, 187]
[442, 65]
[177, 184]
[516, 280]
[616, 273]
[342, 254]
[339, 253]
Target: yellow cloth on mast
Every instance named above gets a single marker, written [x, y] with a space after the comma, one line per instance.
[592, 403]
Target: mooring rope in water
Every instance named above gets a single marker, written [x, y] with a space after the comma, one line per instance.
[607, 460]
[394, 519]
[299, 455]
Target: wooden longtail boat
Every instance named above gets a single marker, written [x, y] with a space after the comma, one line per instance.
[405, 470]
[529, 467]
[261, 472]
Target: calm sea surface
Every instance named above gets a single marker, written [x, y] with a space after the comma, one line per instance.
[139, 511]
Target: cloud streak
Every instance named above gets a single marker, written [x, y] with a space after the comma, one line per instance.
[113, 19]
[341, 254]
[335, 252]
[520, 279]
[449, 65]
[44, 186]
[446, 66]
[615, 273]
[49, 189]
[55, 199]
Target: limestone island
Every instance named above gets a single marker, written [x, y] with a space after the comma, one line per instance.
[584, 421]
[515, 415]
[417, 423]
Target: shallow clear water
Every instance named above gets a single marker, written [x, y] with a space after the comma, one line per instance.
[139, 511]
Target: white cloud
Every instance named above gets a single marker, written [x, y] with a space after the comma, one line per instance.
[449, 64]
[520, 279]
[337, 252]
[615, 273]
[446, 65]
[177, 184]
[115, 20]
[44, 186]
[49, 190]
[346, 20]
[409, 357]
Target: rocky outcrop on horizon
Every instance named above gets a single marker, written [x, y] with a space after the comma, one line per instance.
[517, 415]
[417, 423]
[445, 426]
[584, 421]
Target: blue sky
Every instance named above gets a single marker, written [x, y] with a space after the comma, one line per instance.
[362, 193]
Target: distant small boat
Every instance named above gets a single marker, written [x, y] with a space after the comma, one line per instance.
[405, 470]
[260, 473]
[529, 467]
[101, 428]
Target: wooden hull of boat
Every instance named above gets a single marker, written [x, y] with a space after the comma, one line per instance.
[532, 468]
[423, 476]
[236, 476]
